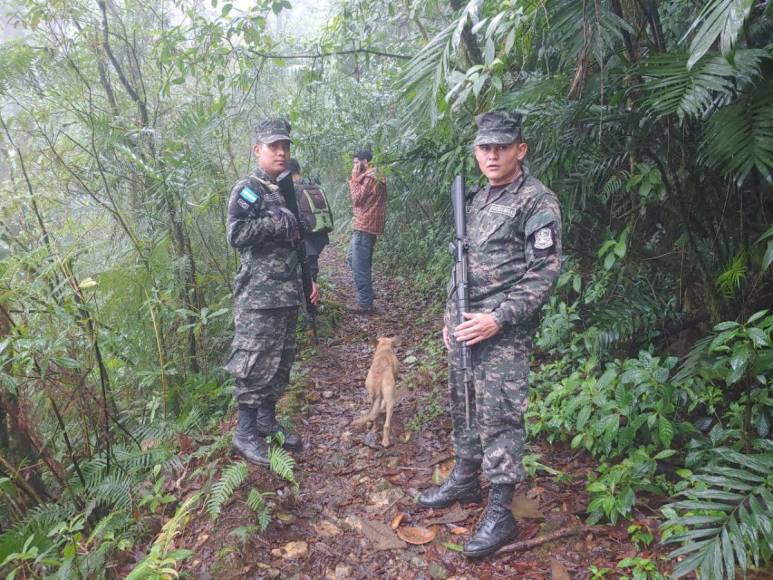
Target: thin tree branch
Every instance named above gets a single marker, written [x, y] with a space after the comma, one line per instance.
[329, 54]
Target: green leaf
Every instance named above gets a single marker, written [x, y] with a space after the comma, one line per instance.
[666, 453]
[665, 431]
[582, 417]
[742, 130]
[758, 336]
[768, 258]
[757, 315]
[719, 18]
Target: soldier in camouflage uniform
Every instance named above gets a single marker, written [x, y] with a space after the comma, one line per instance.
[514, 258]
[267, 294]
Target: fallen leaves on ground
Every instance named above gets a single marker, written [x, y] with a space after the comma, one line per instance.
[525, 507]
[416, 535]
[381, 536]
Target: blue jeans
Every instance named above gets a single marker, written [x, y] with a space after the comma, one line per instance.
[360, 260]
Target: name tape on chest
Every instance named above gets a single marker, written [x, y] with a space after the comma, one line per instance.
[503, 209]
[543, 239]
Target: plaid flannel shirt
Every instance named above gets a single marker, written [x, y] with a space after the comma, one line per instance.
[368, 193]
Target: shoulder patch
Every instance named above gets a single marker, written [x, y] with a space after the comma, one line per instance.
[503, 209]
[543, 239]
[249, 195]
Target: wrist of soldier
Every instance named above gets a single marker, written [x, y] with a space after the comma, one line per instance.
[499, 318]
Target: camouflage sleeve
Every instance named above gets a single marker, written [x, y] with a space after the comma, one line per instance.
[244, 227]
[543, 265]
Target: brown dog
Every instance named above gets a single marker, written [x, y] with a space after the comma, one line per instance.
[380, 383]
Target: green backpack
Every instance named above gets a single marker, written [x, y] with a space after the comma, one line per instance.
[314, 207]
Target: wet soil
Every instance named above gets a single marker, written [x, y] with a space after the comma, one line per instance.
[356, 499]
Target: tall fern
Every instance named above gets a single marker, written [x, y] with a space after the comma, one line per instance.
[283, 464]
[728, 514]
[162, 560]
[233, 476]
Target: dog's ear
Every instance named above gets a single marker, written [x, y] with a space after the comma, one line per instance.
[396, 342]
[373, 341]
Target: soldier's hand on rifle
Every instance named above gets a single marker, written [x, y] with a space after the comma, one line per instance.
[446, 339]
[315, 294]
[285, 224]
[478, 327]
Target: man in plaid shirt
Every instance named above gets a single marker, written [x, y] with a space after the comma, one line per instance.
[368, 192]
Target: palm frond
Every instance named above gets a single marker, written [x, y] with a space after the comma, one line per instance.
[739, 137]
[424, 75]
[672, 88]
[719, 18]
[728, 514]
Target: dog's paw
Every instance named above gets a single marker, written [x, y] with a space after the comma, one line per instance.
[357, 424]
[385, 442]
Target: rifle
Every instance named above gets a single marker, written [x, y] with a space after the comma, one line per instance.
[461, 286]
[287, 189]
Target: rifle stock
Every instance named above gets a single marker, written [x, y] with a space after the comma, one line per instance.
[461, 287]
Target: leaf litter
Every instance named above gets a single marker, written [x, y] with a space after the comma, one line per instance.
[356, 499]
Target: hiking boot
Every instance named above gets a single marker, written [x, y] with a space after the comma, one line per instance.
[246, 441]
[497, 525]
[268, 426]
[462, 486]
[359, 308]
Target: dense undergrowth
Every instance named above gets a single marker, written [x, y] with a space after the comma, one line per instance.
[123, 125]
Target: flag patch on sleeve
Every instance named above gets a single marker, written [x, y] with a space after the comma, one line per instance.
[543, 239]
[248, 194]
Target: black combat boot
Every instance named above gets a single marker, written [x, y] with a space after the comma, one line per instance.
[462, 486]
[246, 441]
[497, 525]
[268, 426]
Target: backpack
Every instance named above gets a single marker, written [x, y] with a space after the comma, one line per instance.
[314, 208]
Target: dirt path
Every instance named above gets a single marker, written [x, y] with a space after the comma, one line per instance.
[352, 490]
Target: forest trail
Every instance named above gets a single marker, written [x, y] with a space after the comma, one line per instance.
[353, 492]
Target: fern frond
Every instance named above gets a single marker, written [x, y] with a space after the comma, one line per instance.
[160, 560]
[727, 515]
[233, 476]
[282, 463]
[257, 503]
[114, 491]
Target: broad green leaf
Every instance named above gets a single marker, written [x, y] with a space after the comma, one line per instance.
[758, 336]
[719, 18]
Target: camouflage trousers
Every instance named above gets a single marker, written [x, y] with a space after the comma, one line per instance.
[498, 401]
[263, 351]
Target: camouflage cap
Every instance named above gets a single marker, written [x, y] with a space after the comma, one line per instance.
[274, 129]
[498, 127]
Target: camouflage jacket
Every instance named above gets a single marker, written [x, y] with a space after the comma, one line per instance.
[269, 275]
[514, 254]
